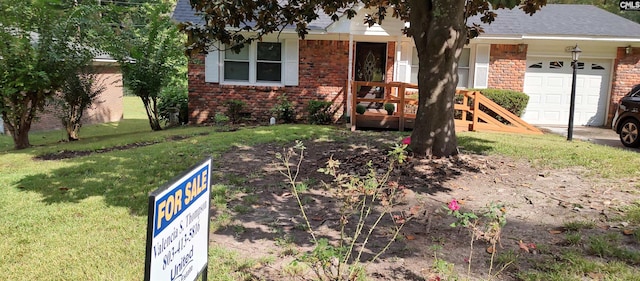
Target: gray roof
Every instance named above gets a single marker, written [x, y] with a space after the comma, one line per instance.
[551, 20]
[561, 20]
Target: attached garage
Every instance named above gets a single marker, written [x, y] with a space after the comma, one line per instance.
[548, 84]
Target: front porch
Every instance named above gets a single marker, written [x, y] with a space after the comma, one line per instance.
[473, 111]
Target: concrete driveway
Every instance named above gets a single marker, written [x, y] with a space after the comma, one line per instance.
[598, 135]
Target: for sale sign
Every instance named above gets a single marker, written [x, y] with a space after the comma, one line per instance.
[629, 5]
[178, 227]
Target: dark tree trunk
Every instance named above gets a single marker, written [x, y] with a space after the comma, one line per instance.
[19, 123]
[151, 106]
[439, 32]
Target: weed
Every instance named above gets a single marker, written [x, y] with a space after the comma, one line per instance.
[578, 225]
[238, 229]
[632, 213]
[306, 200]
[294, 269]
[250, 199]
[236, 180]
[301, 226]
[219, 196]
[241, 209]
[506, 258]
[302, 187]
[573, 238]
[488, 229]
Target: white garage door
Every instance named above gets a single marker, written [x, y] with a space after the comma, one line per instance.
[548, 84]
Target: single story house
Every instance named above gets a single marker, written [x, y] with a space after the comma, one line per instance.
[109, 106]
[519, 52]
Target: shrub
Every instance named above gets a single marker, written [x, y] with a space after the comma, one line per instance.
[170, 98]
[319, 112]
[390, 108]
[234, 110]
[360, 109]
[284, 110]
[513, 101]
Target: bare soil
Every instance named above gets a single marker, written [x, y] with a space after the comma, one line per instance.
[538, 202]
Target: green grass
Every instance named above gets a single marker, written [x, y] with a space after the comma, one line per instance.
[85, 218]
[554, 151]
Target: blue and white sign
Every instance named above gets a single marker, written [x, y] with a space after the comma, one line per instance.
[178, 227]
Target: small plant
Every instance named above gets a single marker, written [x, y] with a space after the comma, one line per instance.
[573, 238]
[172, 99]
[241, 209]
[390, 108]
[234, 110]
[320, 112]
[284, 110]
[220, 119]
[361, 109]
[488, 229]
[578, 225]
[357, 197]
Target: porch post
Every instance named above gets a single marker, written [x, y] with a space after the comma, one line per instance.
[350, 105]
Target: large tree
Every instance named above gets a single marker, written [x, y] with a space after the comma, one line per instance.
[439, 29]
[149, 49]
[38, 43]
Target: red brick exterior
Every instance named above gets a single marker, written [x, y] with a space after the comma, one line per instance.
[507, 65]
[626, 74]
[322, 75]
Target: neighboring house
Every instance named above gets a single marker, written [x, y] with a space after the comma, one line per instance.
[517, 51]
[108, 106]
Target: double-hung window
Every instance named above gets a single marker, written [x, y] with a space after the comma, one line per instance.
[463, 67]
[258, 62]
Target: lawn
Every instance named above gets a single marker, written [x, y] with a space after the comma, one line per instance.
[84, 218]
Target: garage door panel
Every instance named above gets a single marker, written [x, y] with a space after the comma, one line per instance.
[549, 90]
[553, 99]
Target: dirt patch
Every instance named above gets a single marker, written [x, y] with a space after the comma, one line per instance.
[537, 202]
[67, 154]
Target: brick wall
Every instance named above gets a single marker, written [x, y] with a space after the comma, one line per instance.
[626, 74]
[108, 109]
[507, 65]
[323, 72]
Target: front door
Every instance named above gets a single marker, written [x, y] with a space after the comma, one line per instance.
[370, 66]
[371, 61]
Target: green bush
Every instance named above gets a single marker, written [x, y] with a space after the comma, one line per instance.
[360, 109]
[174, 97]
[513, 101]
[284, 110]
[234, 110]
[320, 112]
[390, 108]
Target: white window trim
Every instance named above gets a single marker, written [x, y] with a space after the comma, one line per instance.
[411, 65]
[253, 66]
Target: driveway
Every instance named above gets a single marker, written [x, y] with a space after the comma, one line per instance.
[598, 135]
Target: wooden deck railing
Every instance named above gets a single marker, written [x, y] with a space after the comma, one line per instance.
[474, 112]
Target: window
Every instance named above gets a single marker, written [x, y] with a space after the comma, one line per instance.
[556, 64]
[463, 67]
[259, 62]
[536, 65]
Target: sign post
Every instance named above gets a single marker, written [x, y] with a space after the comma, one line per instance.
[178, 227]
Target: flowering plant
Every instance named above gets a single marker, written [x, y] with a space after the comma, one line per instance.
[464, 219]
